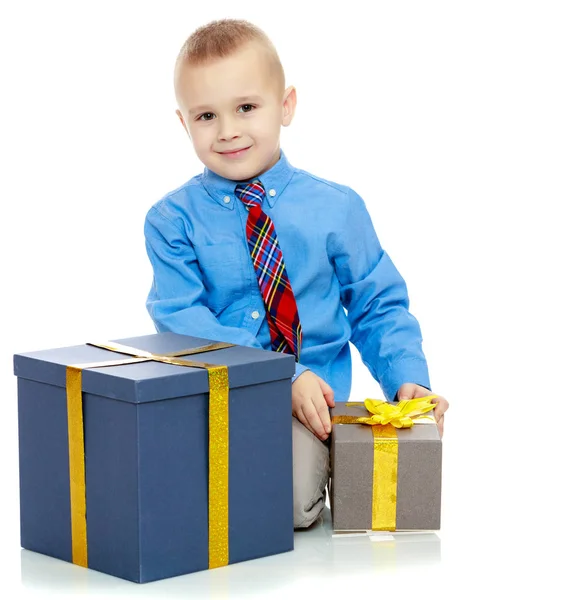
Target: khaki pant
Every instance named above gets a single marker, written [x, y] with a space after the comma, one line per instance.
[310, 475]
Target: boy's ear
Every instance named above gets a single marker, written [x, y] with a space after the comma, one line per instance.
[180, 116]
[289, 105]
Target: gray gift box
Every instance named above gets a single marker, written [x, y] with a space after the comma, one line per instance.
[418, 487]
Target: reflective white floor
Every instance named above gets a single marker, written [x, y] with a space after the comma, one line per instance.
[318, 560]
[467, 564]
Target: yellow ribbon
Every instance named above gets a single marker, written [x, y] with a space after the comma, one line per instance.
[385, 419]
[403, 414]
[218, 445]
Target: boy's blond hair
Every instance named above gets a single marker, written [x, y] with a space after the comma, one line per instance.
[222, 38]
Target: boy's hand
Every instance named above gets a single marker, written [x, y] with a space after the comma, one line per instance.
[408, 391]
[310, 397]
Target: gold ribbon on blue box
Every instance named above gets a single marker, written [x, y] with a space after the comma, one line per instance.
[218, 507]
[385, 418]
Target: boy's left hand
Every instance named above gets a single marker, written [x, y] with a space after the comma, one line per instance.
[408, 391]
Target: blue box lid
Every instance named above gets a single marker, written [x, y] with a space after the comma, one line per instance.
[150, 381]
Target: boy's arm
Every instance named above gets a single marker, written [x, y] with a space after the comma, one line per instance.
[177, 300]
[374, 293]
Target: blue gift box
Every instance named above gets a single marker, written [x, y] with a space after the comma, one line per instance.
[146, 456]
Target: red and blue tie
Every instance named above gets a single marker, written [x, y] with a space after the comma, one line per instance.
[282, 315]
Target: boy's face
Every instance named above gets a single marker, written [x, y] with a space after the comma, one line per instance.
[232, 109]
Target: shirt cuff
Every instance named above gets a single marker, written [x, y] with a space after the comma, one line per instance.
[405, 371]
[299, 368]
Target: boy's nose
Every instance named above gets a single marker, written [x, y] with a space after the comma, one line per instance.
[227, 130]
[225, 136]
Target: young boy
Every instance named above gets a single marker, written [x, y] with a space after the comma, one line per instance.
[256, 252]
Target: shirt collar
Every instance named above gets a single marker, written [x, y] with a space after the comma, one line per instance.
[274, 181]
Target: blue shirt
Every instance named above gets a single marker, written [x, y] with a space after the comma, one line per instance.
[345, 285]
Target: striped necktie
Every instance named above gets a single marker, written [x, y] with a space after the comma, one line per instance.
[282, 315]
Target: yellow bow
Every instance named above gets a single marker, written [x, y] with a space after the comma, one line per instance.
[403, 414]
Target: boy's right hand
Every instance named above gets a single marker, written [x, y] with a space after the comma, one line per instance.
[310, 397]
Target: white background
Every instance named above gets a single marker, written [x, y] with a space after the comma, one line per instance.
[453, 120]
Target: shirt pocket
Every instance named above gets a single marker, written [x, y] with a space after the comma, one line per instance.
[224, 274]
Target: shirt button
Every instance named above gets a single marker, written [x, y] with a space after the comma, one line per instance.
[272, 192]
[255, 314]
[227, 199]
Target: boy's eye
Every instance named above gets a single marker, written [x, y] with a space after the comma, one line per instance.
[208, 115]
[248, 107]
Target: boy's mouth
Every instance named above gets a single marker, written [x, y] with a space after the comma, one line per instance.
[235, 153]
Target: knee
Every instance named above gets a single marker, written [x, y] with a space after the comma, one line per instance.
[306, 510]
[310, 475]
[309, 496]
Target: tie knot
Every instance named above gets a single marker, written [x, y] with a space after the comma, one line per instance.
[251, 194]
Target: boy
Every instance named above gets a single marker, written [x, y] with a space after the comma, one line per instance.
[256, 252]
